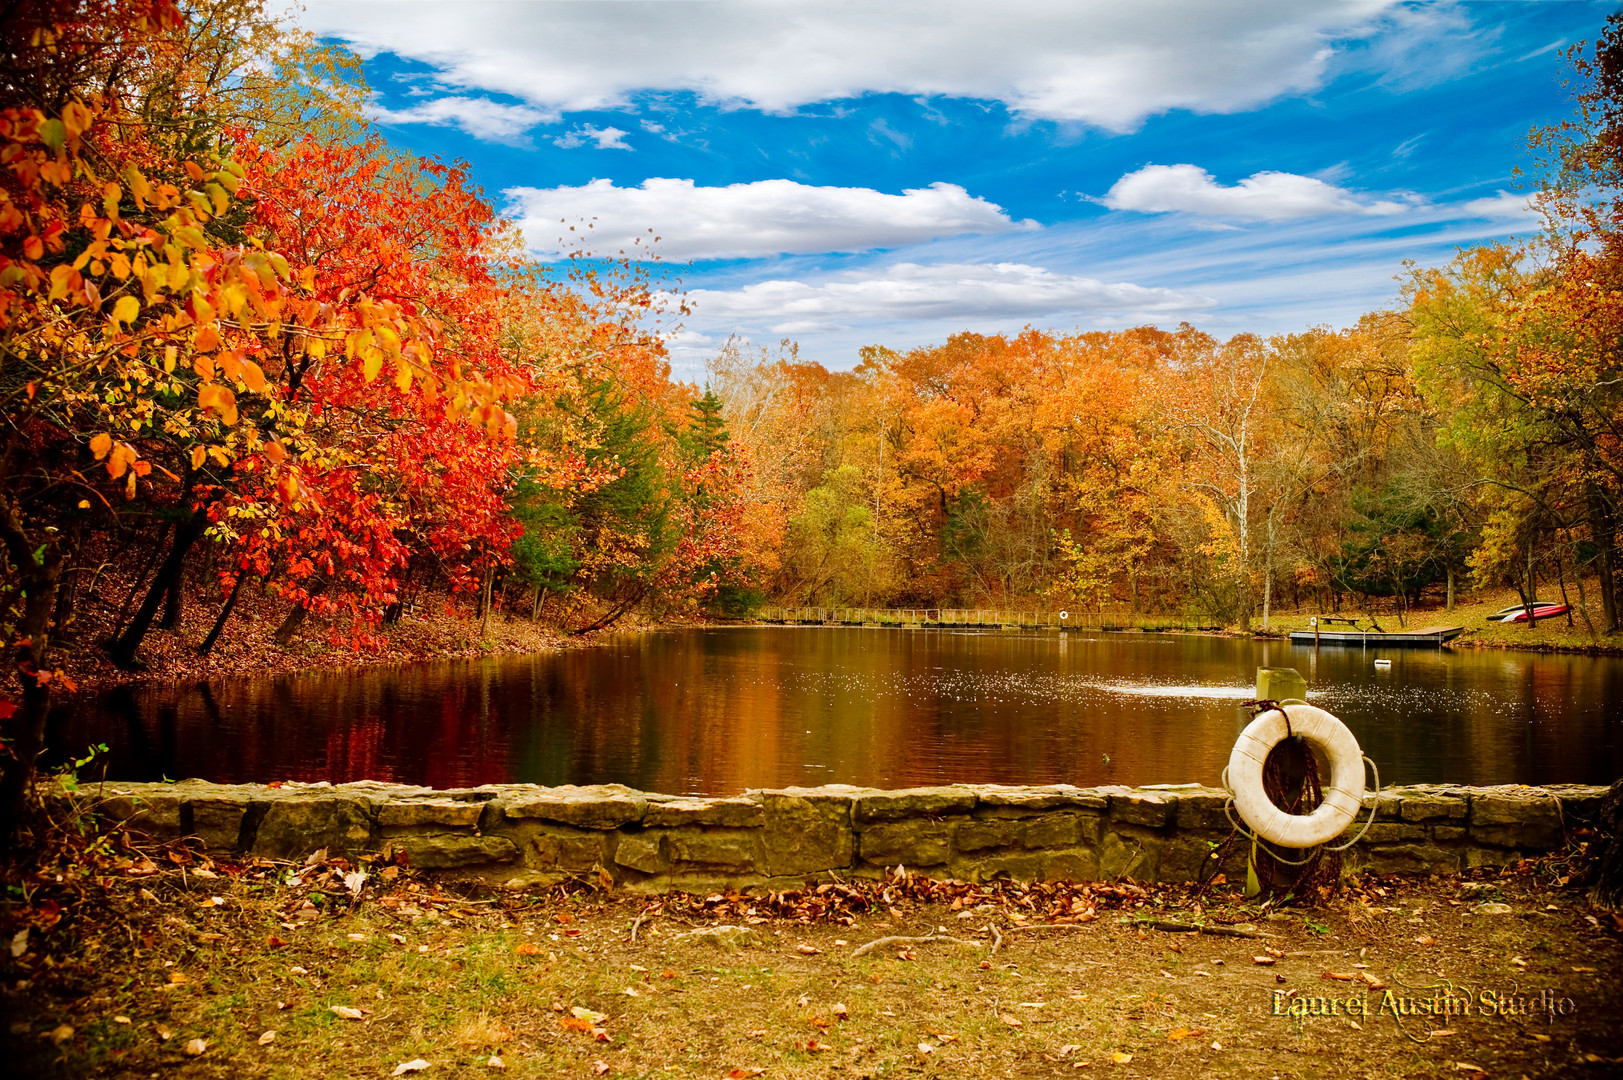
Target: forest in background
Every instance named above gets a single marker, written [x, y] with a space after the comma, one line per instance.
[256, 362]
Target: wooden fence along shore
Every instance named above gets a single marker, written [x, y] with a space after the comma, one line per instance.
[984, 618]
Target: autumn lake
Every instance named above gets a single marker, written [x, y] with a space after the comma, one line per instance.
[717, 711]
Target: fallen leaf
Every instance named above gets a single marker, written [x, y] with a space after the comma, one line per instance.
[1583, 970]
[1337, 976]
[840, 1011]
[1441, 1033]
[1466, 1066]
[743, 1074]
[1119, 1057]
[348, 1012]
[1264, 961]
[163, 1033]
[926, 1048]
[817, 1047]
[587, 1014]
[1012, 1021]
[267, 1038]
[1539, 1038]
[414, 1065]
[495, 1062]
[1372, 981]
[121, 1019]
[599, 1068]
[63, 1033]
[527, 948]
[1067, 1048]
[1427, 940]
[576, 1023]
[195, 1047]
[808, 950]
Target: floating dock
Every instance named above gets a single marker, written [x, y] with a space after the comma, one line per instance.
[1431, 635]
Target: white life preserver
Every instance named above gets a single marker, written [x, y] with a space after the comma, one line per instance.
[1343, 795]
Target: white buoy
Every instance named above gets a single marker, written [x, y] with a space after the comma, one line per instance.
[1383, 663]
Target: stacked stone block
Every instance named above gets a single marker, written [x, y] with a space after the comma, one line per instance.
[773, 838]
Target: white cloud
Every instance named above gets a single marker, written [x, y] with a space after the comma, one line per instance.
[609, 138]
[1264, 196]
[768, 217]
[960, 292]
[479, 117]
[1099, 62]
[1506, 204]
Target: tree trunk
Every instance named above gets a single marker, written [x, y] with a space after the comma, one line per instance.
[1267, 597]
[135, 587]
[539, 602]
[290, 625]
[174, 599]
[24, 727]
[1532, 587]
[484, 601]
[1603, 526]
[225, 613]
[123, 649]
[1450, 571]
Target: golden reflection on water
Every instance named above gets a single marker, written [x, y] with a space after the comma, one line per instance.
[723, 710]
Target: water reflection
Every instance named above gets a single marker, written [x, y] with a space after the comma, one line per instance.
[718, 711]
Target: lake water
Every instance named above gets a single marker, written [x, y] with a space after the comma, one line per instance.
[717, 711]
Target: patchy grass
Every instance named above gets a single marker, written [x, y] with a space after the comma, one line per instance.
[295, 972]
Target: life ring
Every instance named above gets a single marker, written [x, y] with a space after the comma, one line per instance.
[1065, 614]
[1343, 796]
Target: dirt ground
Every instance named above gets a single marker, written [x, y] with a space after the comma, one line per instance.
[161, 962]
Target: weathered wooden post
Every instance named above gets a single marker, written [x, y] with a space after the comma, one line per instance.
[1280, 684]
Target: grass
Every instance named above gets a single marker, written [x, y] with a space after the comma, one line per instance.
[141, 960]
[1547, 634]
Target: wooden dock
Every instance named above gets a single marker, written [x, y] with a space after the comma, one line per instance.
[1431, 635]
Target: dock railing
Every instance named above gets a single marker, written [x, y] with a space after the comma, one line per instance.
[984, 619]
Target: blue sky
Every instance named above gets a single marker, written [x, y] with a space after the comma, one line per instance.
[845, 174]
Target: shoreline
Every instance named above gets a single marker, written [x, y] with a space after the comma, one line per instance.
[443, 631]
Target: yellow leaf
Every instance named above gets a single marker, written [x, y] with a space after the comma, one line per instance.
[202, 310]
[371, 364]
[206, 340]
[100, 445]
[125, 309]
[1120, 1058]
[169, 354]
[110, 196]
[199, 454]
[402, 378]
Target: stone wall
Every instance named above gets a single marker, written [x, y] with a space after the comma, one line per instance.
[525, 834]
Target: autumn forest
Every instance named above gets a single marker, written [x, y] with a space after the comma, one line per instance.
[252, 350]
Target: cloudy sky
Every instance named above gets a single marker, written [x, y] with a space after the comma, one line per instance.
[891, 172]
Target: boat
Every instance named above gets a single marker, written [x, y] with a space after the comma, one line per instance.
[1431, 635]
[1540, 611]
[1504, 614]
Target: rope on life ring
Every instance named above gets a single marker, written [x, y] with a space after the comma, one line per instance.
[1343, 796]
